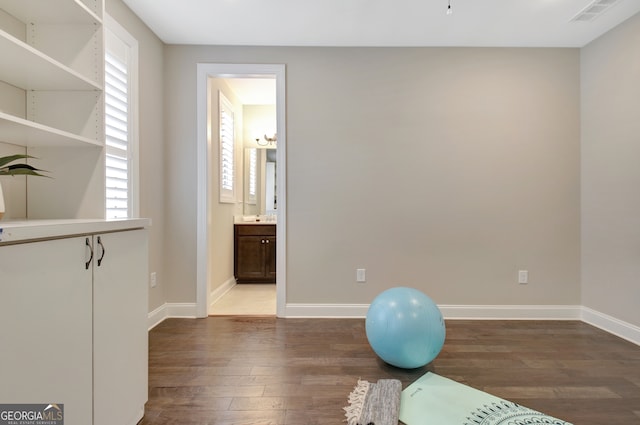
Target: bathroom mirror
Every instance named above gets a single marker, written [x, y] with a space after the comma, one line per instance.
[260, 181]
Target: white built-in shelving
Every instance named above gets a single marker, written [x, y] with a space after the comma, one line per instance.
[22, 132]
[30, 69]
[52, 101]
[54, 11]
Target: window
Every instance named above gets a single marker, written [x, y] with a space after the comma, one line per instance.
[227, 151]
[121, 57]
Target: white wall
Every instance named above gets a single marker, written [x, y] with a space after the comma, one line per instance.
[610, 74]
[447, 169]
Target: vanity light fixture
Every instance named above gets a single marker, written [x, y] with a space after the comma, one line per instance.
[449, 10]
[267, 141]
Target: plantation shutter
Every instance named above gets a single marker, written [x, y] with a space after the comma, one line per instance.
[227, 151]
[117, 137]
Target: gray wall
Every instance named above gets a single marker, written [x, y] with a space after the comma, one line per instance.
[447, 169]
[152, 158]
[611, 173]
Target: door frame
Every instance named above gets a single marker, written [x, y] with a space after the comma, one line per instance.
[205, 71]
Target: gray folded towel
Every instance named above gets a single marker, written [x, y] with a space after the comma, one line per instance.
[374, 403]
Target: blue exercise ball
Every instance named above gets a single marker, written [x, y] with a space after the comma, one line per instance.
[405, 328]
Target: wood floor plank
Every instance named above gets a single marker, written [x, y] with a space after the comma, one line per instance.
[263, 370]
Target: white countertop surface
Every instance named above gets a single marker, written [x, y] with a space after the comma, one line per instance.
[28, 230]
[252, 219]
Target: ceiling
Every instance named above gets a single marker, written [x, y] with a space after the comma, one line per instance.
[253, 91]
[500, 23]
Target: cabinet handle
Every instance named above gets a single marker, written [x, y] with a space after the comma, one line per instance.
[88, 263]
[267, 241]
[103, 251]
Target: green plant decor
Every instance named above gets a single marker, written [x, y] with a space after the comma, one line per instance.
[8, 169]
[20, 169]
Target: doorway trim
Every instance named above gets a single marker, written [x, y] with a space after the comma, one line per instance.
[205, 71]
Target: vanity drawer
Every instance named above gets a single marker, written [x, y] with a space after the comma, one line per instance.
[255, 229]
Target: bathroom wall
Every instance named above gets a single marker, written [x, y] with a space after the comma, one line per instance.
[222, 214]
[258, 121]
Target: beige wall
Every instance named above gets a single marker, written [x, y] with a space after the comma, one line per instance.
[611, 173]
[153, 162]
[447, 169]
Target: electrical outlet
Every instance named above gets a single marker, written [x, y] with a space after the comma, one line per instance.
[360, 275]
[523, 276]
[153, 280]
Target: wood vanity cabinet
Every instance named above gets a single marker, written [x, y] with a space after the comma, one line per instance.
[255, 253]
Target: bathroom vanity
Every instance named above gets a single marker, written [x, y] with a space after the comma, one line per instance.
[255, 252]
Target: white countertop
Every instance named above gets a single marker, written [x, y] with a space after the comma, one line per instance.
[253, 219]
[258, 223]
[27, 230]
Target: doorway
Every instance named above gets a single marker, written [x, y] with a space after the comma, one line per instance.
[205, 149]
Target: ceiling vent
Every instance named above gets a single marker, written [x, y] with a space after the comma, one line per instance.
[593, 10]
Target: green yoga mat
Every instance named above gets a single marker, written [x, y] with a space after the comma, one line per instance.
[434, 400]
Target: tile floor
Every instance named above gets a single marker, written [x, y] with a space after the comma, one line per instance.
[247, 300]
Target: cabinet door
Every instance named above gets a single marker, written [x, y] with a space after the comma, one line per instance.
[45, 326]
[120, 327]
[270, 259]
[250, 258]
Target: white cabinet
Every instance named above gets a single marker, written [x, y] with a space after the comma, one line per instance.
[52, 101]
[45, 326]
[120, 336]
[73, 331]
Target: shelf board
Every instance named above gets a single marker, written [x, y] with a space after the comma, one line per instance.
[30, 69]
[50, 11]
[19, 131]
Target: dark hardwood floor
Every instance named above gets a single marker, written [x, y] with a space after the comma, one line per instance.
[243, 370]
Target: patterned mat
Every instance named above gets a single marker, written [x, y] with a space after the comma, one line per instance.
[374, 403]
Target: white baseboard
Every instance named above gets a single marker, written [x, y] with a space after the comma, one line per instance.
[607, 323]
[485, 312]
[155, 317]
[219, 292]
[511, 312]
[182, 310]
[138, 417]
[293, 310]
[612, 325]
